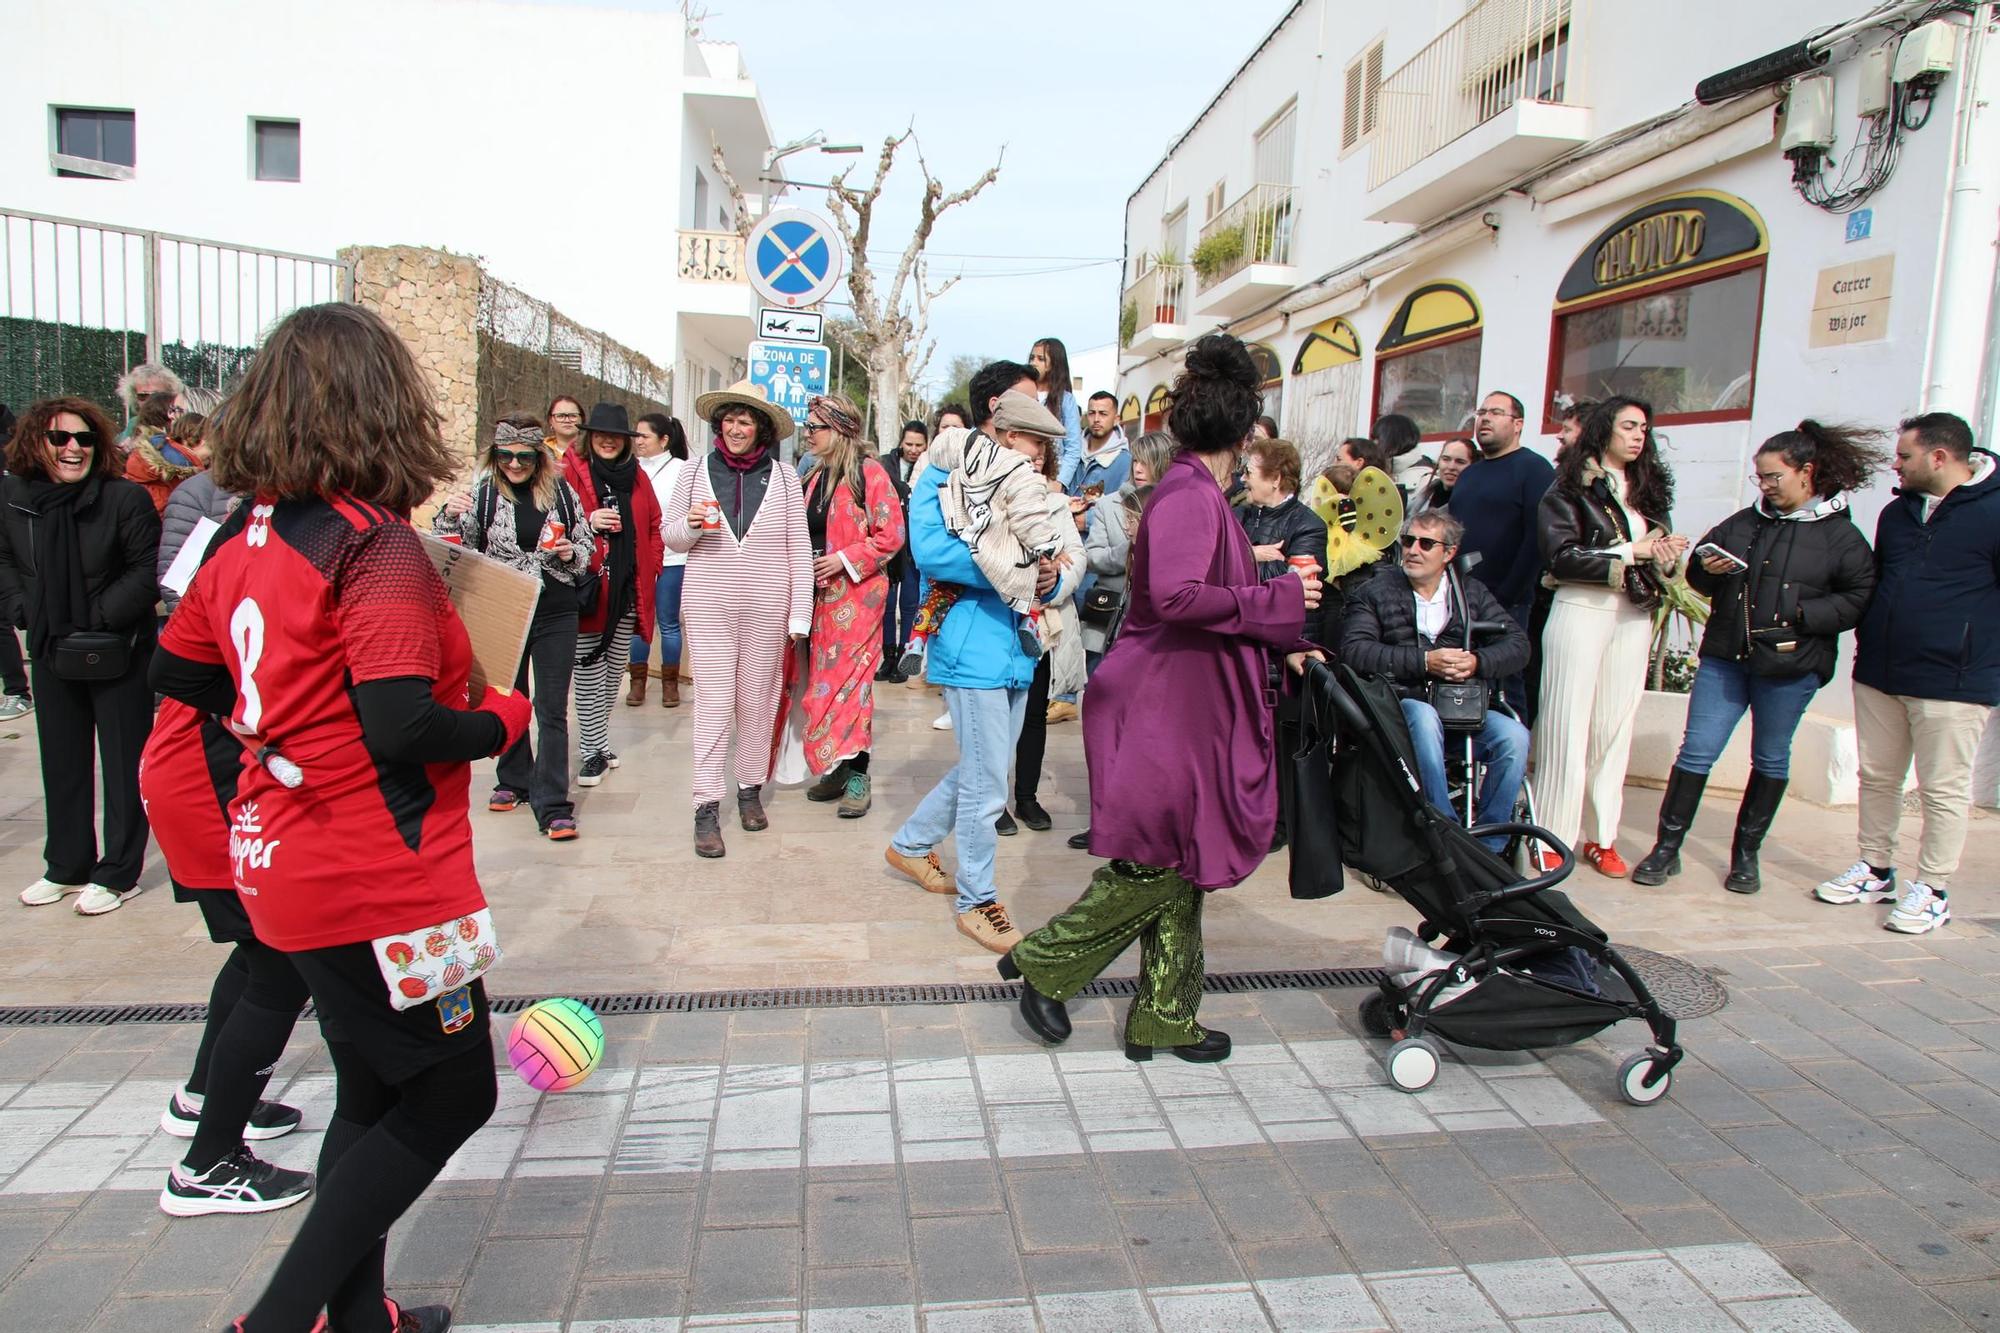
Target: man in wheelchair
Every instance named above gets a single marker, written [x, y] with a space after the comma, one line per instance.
[1447, 644]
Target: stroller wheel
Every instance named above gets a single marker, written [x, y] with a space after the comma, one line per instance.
[1412, 1064]
[1633, 1083]
[1377, 1018]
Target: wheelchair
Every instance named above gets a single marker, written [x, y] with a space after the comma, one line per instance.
[1463, 775]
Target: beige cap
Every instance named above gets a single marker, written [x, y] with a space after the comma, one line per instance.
[1017, 411]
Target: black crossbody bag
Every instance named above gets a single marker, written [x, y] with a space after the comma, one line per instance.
[1460, 704]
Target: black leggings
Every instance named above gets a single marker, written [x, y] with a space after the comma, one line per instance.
[251, 1011]
[1034, 742]
[384, 1146]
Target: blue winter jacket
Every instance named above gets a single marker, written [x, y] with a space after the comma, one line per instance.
[1070, 452]
[1933, 630]
[976, 648]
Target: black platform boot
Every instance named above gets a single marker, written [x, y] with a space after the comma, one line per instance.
[1753, 820]
[1677, 807]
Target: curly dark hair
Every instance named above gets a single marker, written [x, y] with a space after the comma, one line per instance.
[767, 432]
[1214, 400]
[25, 453]
[1842, 458]
[1649, 482]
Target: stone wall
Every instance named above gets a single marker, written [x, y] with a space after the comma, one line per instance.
[431, 298]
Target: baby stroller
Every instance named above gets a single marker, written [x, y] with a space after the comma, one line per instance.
[1499, 963]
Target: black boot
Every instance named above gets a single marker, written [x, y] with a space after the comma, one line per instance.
[1677, 809]
[1753, 820]
[1046, 1018]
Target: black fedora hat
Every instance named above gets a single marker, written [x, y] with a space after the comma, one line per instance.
[608, 419]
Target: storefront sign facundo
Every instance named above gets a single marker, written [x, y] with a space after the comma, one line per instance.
[1665, 237]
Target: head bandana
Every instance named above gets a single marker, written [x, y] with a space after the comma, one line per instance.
[504, 434]
[843, 421]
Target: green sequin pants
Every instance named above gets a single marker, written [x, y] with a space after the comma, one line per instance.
[1126, 902]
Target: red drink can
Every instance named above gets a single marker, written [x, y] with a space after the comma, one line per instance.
[552, 532]
[711, 516]
[1304, 564]
[452, 538]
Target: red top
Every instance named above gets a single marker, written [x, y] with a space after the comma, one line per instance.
[309, 600]
[187, 775]
[650, 551]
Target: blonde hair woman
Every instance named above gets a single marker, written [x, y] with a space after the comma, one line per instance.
[855, 521]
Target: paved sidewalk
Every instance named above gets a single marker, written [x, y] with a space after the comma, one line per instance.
[1825, 1160]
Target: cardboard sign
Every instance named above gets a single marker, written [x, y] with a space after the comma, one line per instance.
[497, 603]
[1851, 303]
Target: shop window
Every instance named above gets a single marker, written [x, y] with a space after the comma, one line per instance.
[1130, 418]
[1665, 305]
[1270, 379]
[1156, 409]
[1427, 361]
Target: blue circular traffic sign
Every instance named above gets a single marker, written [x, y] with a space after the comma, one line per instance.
[796, 257]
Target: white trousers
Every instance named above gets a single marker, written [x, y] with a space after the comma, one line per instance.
[1594, 655]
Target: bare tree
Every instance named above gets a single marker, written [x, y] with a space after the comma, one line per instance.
[741, 206]
[892, 321]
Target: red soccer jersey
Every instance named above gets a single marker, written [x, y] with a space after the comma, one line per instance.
[187, 775]
[311, 599]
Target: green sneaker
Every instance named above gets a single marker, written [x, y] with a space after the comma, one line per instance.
[854, 802]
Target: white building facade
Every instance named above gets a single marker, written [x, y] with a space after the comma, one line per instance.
[569, 148]
[1404, 208]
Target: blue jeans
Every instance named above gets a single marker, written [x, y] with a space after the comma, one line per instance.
[1722, 691]
[899, 611]
[1501, 745]
[667, 615]
[986, 724]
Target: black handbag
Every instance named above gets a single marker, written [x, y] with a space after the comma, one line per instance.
[1314, 827]
[1460, 704]
[1100, 605]
[92, 655]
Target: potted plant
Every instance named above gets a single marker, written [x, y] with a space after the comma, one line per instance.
[1217, 251]
[1128, 323]
[1672, 668]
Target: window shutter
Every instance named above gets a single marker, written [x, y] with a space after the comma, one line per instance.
[1350, 123]
[1371, 97]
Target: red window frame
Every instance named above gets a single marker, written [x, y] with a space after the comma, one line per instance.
[1679, 280]
[1375, 381]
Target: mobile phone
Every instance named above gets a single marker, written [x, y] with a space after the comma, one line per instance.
[1736, 562]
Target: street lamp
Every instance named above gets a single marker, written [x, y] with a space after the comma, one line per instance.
[817, 139]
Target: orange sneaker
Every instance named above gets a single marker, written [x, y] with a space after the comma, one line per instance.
[926, 870]
[1605, 860]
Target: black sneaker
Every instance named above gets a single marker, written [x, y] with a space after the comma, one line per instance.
[593, 771]
[1029, 811]
[269, 1120]
[1080, 841]
[1005, 825]
[239, 1183]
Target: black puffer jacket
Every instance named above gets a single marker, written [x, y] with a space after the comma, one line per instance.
[1578, 532]
[1299, 531]
[1811, 574]
[1380, 637]
[118, 538]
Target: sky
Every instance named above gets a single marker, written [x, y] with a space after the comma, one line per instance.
[1084, 97]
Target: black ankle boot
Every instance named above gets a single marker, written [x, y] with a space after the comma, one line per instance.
[1046, 1018]
[1213, 1046]
[1753, 820]
[1677, 807]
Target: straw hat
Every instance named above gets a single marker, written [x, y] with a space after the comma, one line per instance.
[744, 394]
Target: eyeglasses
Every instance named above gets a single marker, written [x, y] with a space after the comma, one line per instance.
[1412, 542]
[85, 439]
[565, 416]
[525, 457]
[1500, 412]
[814, 427]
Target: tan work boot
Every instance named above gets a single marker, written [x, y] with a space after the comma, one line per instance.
[988, 925]
[635, 693]
[926, 870]
[670, 691]
[1061, 711]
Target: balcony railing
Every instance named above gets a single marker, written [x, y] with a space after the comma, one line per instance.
[1256, 229]
[1160, 297]
[712, 256]
[1501, 52]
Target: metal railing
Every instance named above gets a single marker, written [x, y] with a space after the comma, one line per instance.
[712, 256]
[82, 302]
[1256, 229]
[1160, 295]
[1501, 52]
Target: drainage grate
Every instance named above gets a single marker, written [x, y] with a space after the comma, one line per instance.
[731, 1001]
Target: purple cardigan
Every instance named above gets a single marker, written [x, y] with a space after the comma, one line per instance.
[1177, 733]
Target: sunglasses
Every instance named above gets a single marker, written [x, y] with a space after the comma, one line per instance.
[814, 427]
[1412, 542]
[525, 457]
[85, 439]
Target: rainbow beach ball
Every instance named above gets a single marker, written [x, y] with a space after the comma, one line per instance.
[555, 1044]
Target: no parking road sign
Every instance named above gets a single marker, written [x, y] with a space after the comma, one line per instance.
[790, 373]
[796, 258]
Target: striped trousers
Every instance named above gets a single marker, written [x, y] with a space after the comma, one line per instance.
[738, 640]
[596, 684]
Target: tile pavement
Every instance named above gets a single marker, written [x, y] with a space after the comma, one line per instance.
[1826, 1160]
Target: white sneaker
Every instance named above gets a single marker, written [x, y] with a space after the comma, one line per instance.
[943, 722]
[45, 891]
[1922, 910]
[1857, 884]
[96, 900]
[15, 706]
